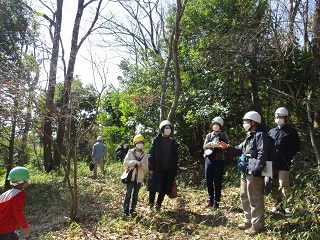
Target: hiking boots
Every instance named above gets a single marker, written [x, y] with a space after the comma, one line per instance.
[244, 226]
[215, 206]
[158, 208]
[276, 210]
[252, 231]
[150, 209]
[286, 212]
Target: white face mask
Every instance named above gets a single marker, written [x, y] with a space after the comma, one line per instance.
[216, 128]
[279, 121]
[139, 145]
[246, 126]
[167, 131]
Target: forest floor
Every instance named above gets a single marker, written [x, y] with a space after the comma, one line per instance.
[100, 210]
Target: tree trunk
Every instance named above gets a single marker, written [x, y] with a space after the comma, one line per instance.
[10, 163]
[173, 54]
[47, 121]
[27, 124]
[75, 46]
[315, 78]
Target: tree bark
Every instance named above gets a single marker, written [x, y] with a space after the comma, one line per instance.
[173, 54]
[75, 46]
[49, 114]
[27, 124]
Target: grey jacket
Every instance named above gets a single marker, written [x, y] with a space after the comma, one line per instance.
[99, 150]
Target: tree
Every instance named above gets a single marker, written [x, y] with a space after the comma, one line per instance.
[49, 107]
[173, 54]
[18, 77]
[298, 56]
[84, 107]
[313, 91]
[153, 46]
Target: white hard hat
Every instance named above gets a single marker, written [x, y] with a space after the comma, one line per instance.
[217, 120]
[164, 123]
[99, 138]
[281, 111]
[252, 115]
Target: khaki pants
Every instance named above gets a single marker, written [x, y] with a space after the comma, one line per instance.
[252, 200]
[97, 161]
[280, 188]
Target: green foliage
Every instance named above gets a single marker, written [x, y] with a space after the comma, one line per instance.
[14, 27]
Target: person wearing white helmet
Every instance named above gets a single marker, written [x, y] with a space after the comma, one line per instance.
[99, 154]
[214, 161]
[287, 143]
[12, 203]
[137, 160]
[163, 165]
[254, 150]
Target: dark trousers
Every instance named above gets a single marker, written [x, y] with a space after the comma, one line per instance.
[162, 191]
[214, 170]
[9, 236]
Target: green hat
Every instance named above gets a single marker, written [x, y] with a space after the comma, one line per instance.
[18, 174]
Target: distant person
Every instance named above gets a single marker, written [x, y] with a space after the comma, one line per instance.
[163, 165]
[137, 159]
[99, 153]
[120, 152]
[214, 161]
[254, 149]
[12, 204]
[287, 143]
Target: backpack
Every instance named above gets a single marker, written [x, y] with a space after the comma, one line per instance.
[120, 153]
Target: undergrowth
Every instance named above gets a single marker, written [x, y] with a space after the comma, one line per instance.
[100, 207]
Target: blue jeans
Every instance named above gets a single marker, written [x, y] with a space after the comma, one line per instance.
[214, 171]
[135, 187]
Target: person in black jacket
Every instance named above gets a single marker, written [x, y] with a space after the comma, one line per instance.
[163, 164]
[214, 162]
[120, 152]
[287, 143]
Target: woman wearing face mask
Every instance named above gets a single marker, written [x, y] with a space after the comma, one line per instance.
[214, 161]
[255, 148]
[287, 143]
[163, 164]
[137, 159]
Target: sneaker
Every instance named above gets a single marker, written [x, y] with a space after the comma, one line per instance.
[252, 231]
[150, 209]
[215, 206]
[287, 213]
[244, 226]
[158, 208]
[275, 210]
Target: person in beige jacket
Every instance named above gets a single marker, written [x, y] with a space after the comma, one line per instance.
[137, 159]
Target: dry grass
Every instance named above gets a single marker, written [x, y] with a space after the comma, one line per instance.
[100, 210]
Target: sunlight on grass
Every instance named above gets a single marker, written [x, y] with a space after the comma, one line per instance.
[186, 217]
